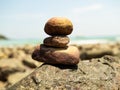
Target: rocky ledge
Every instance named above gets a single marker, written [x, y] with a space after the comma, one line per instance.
[94, 74]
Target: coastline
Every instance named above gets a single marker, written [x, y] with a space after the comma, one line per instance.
[73, 40]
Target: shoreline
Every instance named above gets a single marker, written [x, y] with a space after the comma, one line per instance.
[73, 40]
[37, 41]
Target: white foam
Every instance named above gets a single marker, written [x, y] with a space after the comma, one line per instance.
[88, 41]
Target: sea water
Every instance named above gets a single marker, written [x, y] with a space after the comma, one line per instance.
[19, 42]
[94, 39]
[73, 40]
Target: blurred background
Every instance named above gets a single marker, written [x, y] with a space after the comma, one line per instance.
[22, 21]
[22, 28]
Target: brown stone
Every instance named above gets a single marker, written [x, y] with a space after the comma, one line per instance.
[56, 41]
[58, 26]
[66, 56]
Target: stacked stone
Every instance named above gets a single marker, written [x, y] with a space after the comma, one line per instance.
[55, 49]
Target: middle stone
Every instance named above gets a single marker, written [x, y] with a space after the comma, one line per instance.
[56, 41]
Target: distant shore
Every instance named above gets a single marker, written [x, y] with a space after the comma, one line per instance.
[73, 40]
[2, 37]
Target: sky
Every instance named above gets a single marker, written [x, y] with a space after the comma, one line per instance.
[21, 19]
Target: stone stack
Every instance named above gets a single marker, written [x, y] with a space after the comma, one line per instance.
[54, 49]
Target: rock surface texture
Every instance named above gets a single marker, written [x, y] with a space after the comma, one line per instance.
[54, 49]
[95, 74]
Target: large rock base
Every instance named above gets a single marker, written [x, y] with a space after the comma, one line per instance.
[95, 74]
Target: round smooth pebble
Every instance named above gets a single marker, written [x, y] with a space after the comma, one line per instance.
[58, 26]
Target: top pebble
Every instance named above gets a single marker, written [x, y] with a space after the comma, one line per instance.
[58, 26]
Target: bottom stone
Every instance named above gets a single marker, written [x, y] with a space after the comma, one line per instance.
[67, 56]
